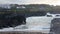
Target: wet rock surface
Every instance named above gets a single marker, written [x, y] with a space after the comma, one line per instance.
[56, 26]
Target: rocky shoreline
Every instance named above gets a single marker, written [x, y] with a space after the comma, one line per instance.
[19, 32]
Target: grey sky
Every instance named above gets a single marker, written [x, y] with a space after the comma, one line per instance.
[51, 2]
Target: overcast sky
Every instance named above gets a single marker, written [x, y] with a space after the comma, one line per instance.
[51, 2]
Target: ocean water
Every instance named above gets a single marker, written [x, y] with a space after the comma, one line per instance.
[33, 24]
